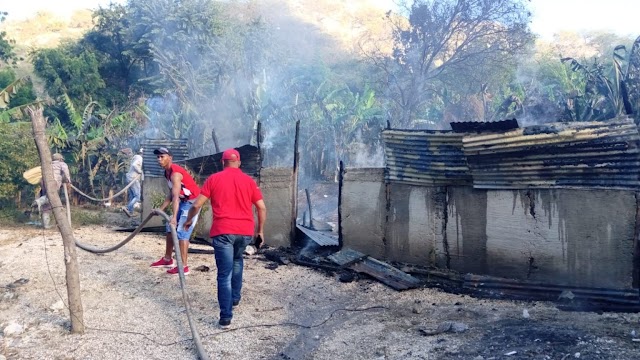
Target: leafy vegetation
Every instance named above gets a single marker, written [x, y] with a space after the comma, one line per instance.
[606, 92]
[18, 155]
[82, 217]
[7, 53]
[211, 71]
[439, 43]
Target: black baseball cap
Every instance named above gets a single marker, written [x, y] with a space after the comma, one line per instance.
[162, 150]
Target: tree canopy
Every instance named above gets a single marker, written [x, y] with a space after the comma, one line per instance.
[439, 46]
[6, 45]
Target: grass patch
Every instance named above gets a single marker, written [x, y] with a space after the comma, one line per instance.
[10, 216]
[82, 217]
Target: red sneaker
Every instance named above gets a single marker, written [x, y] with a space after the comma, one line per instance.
[162, 263]
[174, 271]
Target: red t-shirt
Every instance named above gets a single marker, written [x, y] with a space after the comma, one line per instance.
[232, 195]
[189, 190]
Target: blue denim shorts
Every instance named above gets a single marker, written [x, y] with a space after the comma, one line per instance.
[183, 211]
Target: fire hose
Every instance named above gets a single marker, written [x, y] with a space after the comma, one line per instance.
[111, 197]
[185, 297]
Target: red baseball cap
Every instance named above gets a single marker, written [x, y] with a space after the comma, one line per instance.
[231, 154]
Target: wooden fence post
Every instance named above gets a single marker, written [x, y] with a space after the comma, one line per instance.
[70, 259]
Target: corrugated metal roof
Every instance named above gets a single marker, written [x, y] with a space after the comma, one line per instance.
[179, 152]
[425, 157]
[203, 166]
[557, 155]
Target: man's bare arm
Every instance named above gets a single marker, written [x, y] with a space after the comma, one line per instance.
[262, 217]
[176, 186]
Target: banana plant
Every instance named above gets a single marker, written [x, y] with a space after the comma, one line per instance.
[8, 113]
[342, 115]
[10, 90]
[93, 139]
[608, 91]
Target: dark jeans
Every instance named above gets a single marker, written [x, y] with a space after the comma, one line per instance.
[228, 251]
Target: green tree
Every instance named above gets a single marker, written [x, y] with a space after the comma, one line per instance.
[18, 155]
[7, 54]
[120, 66]
[181, 42]
[438, 41]
[69, 69]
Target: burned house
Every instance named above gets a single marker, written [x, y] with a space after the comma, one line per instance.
[554, 203]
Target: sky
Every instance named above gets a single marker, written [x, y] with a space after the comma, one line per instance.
[549, 16]
[618, 16]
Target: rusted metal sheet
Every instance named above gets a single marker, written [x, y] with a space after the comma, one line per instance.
[425, 157]
[178, 148]
[557, 155]
[322, 238]
[203, 166]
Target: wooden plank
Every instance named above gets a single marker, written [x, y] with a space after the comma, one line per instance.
[386, 274]
[346, 257]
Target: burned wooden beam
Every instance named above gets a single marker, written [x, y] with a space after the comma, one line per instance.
[317, 265]
[306, 191]
[294, 183]
[340, 187]
[597, 307]
[379, 270]
[636, 245]
[437, 273]
[541, 291]
[386, 274]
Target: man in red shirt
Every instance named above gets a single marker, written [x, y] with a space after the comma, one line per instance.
[232, 194]
[183, 192]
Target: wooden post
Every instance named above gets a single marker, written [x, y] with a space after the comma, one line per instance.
[259, 135]
[340, 189]
[294, 184]
[70, 258]
[636, 246]
[214, 137]
[306, 191]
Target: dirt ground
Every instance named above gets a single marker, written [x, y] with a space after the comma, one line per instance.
[287, 311]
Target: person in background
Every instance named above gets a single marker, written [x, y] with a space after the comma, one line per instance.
[232, 194]
[136, 176]
[183, 191]
[60, 175]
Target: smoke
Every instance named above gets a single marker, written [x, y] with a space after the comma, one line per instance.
[266, 67]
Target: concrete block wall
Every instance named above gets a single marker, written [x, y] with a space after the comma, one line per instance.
[364, 210]
[575, 237]
[556, 236]
[276, 186]
[153, 189]
[415, 223]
